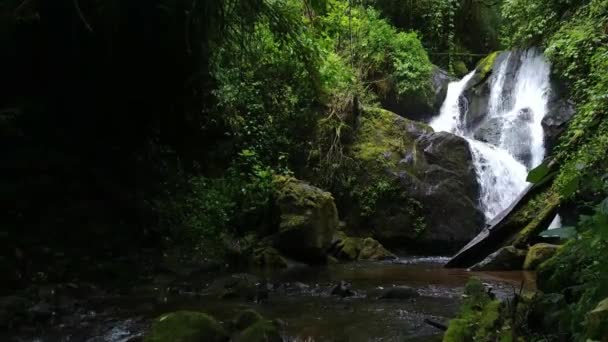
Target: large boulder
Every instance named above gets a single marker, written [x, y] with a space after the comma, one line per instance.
[308, 220]
[538, 254]
[410, 187]
[423, 105]
[186, 326]
[505, 259]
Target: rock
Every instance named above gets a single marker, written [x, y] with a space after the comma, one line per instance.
[349, 248]
[247, 318]
[343, 289]
[404, 171]
[596, 322]
[186, 326]
[538, 254]
[505, 259]
[268, 257]
[559, 112]
[262, 331]
[308, 220]
[13, 309]
[421, 106]
[399, 292]
[243, 286]
[373, 250]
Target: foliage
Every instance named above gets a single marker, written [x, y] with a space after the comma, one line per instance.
[205, 208]
[375, 49]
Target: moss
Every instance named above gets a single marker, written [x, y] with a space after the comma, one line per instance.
[485, 65]
[262, 331]
[268, 257]
[382, 136]
[247, 318]
[538, 254]
[479, 317]
[460, 68]
[541, 218]
[186, 326]
[596, 322]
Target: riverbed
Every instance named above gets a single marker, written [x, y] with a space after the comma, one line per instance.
[299, 297]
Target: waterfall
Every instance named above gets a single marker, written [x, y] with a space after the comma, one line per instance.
[509, 141]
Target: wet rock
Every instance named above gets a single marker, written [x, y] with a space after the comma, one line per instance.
[399, 292]
[261, 331]
[559, 112]
[538, 254]
[240, 286]
[246, 319]
[489, 131]
[349, 248]
[505, 259]
[41, 312]
[268, 257]
[596, 322]
[373, 250]
[343, 289]
[308, 220]
[186, 326]
[13, 310]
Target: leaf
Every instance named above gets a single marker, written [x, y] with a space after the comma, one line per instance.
[603, 207]
[537, 174]
[570, 188]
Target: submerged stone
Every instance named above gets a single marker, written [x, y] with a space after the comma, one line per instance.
[186, 326]
[399, 292]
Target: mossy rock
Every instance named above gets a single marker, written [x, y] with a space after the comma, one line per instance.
[538, 254]
[247, 318]
[505, 259]
[596, 322]
[402, 170]
[460, 69]
[268, 257]
[351, 248]
[308, 220]
[186, 326]
[261, 331]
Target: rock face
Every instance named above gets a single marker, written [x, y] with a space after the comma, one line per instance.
[559, 112]
[186, 326]
[308, 220]
[412, 188]
[422, 106]
[538, 254]
[505, 259]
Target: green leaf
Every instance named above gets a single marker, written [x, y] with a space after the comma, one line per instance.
[538, 174]
[570, 188]
[603, 207]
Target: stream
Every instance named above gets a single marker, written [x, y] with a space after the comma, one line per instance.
[300, 297]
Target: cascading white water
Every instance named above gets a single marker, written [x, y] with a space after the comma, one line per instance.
[516, 113]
